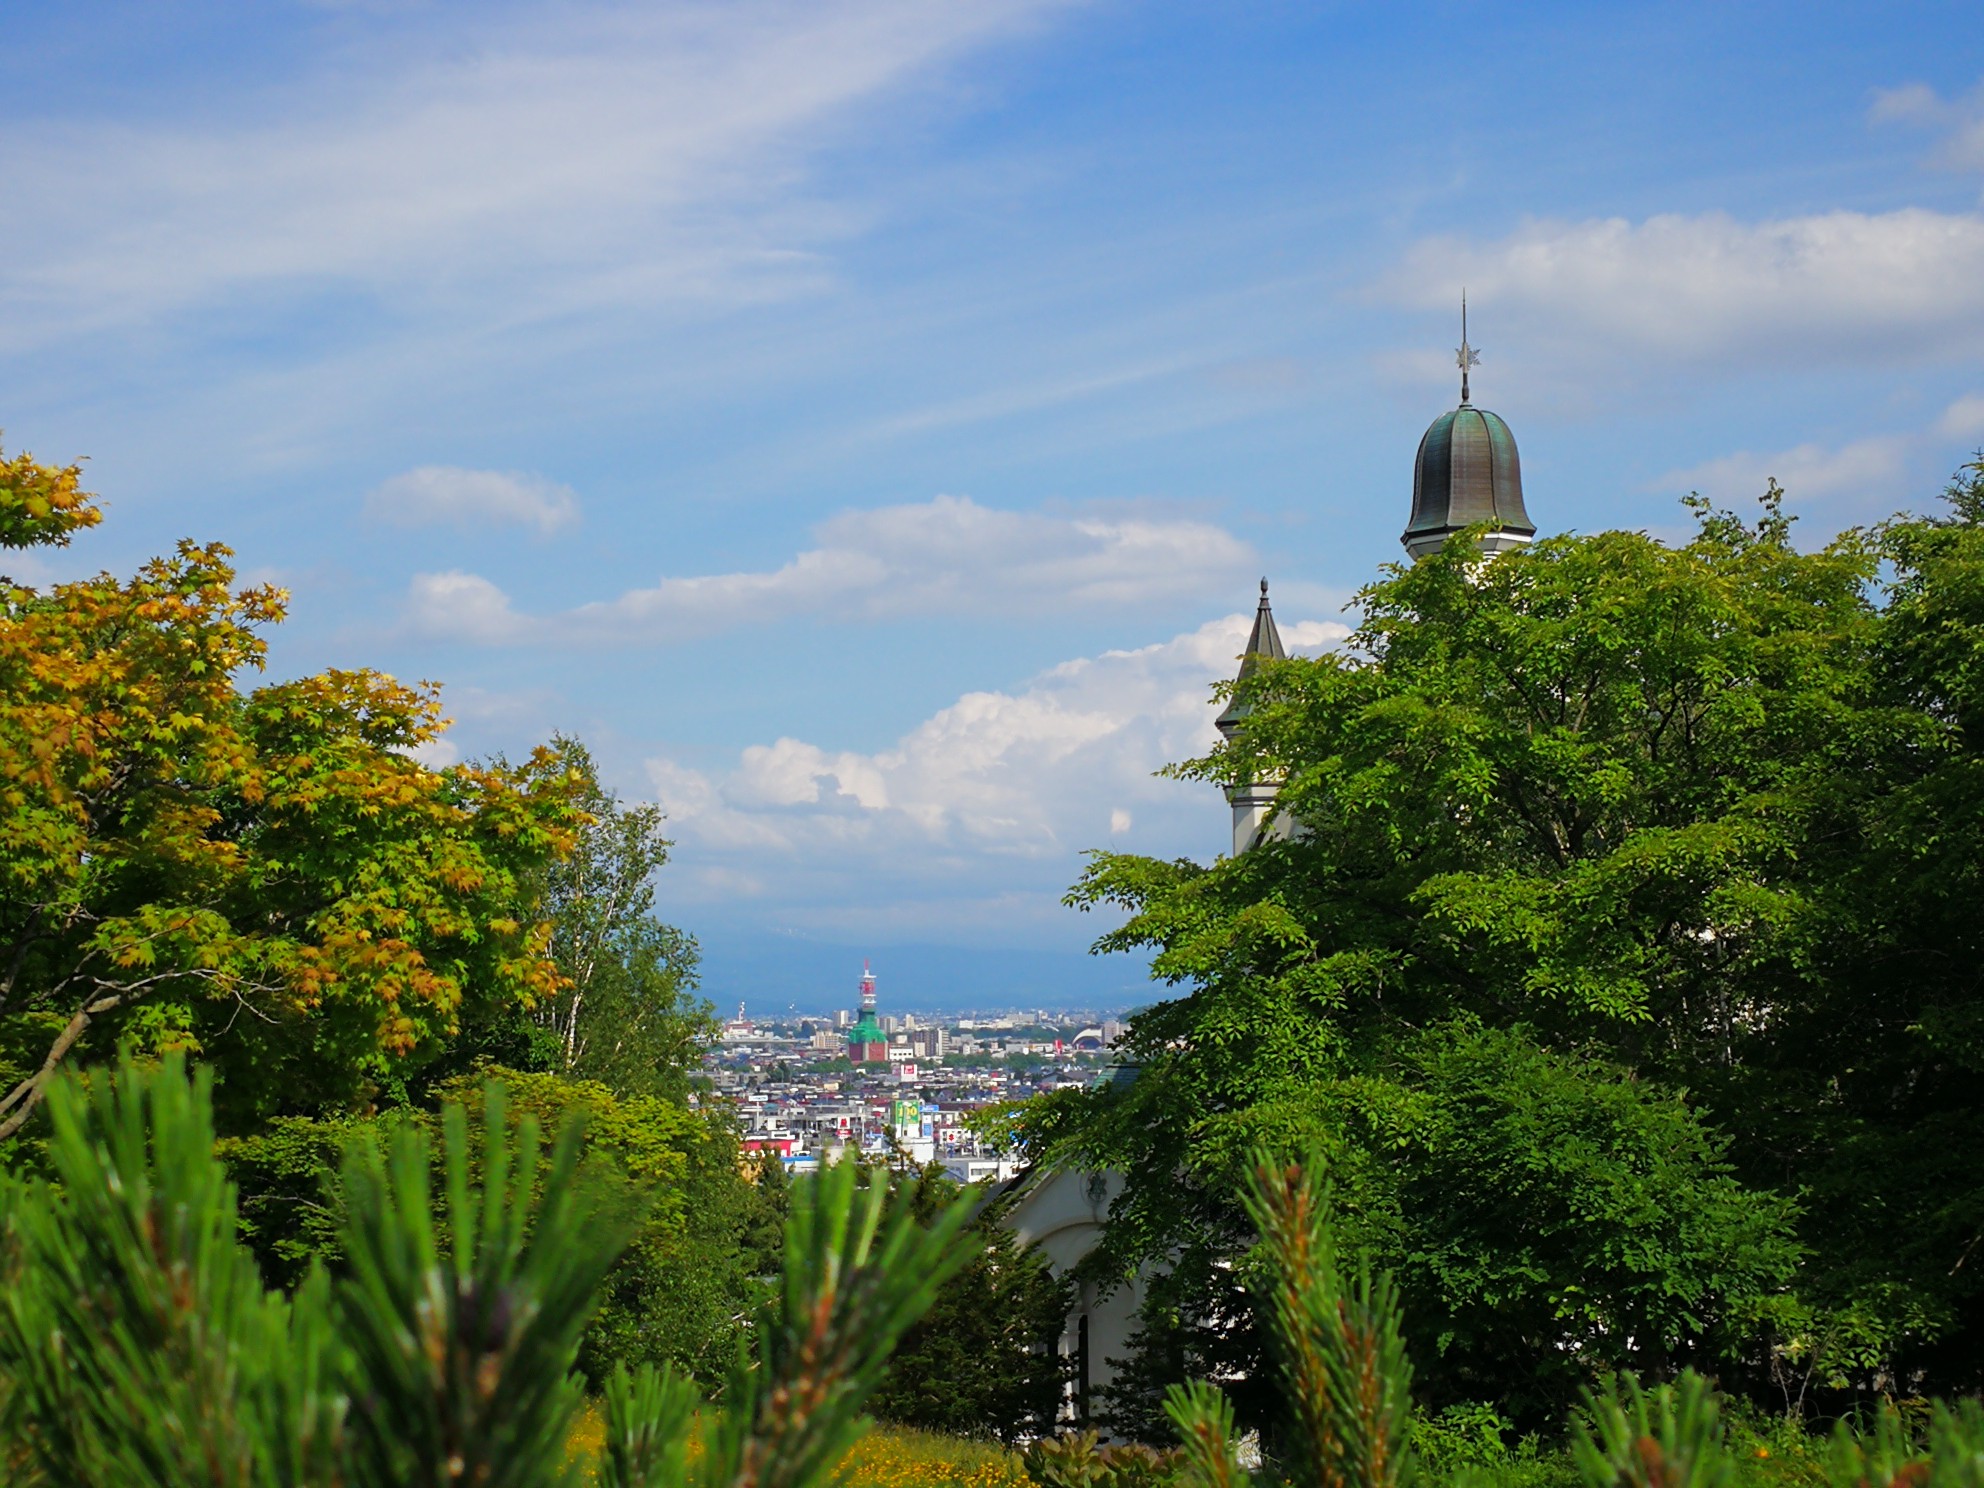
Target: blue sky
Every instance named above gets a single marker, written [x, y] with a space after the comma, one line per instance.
[864, 421]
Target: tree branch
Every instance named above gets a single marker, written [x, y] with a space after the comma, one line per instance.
[24, 1097]
[27, 1095]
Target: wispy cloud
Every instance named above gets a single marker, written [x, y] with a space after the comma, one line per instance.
[437, 494]
[1855, 481]
[1959, 121]
[948, 556]
[1005, 402]
[1963, 419]
[1874, 468]
[596, 155]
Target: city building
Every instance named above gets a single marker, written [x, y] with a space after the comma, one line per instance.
[867, 1042]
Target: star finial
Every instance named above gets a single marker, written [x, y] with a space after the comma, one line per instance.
[1464, 354]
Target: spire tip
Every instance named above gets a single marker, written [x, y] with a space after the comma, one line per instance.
[1464, 354]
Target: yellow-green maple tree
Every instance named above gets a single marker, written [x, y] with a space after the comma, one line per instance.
[264, 874]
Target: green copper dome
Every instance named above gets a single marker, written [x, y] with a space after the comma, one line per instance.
[1467, 472]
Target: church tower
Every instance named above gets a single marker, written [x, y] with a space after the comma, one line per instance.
[1467, 472]
[1254, 817]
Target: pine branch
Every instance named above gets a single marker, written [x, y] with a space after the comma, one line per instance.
[1667, 1437]
[1344, 1372]
[466, 1353]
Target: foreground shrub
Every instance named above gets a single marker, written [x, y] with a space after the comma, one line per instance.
[139, 1348]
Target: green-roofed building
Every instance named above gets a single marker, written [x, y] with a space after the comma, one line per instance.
[867, 1042]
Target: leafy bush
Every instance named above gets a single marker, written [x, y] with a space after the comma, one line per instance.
[1079, 1460]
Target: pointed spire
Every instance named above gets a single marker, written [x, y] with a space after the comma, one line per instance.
[1464, 354]
[1263, 644]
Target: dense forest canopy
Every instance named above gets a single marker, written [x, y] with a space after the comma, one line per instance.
[1626, 969]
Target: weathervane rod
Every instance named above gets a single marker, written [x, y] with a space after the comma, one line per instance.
[1464, 354]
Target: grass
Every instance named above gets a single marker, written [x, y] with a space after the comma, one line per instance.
[1768, 1455]
[894, 1457]
[887, 1457]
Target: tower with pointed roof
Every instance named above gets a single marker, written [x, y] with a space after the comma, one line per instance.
[1254, 817]
[1467, 473]
[867, 1042]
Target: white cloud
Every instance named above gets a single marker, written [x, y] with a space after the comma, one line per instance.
[577, 157]
[1714, 291]
[969, 827]
[39, 568]
[947, 556]
[1038, 773]
[434, 494]
[1808, 472]
[457, 606]
[436, 754]
[1960, 121]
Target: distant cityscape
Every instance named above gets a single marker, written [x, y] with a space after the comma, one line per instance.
[859, 1082]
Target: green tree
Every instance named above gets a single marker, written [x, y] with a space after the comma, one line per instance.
[625, 1012]
[702, 1233]
[260, 873]
[1632, 891]
[984, 1360]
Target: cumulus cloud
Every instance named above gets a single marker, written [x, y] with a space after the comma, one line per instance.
[1712, 291]
[456, 606]
[946, 556]
[584, 156]
[434, 494]
[1036, 774]
[1960, 121]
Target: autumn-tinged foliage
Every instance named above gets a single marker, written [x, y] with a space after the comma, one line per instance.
[40, 505]
[263, 874]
